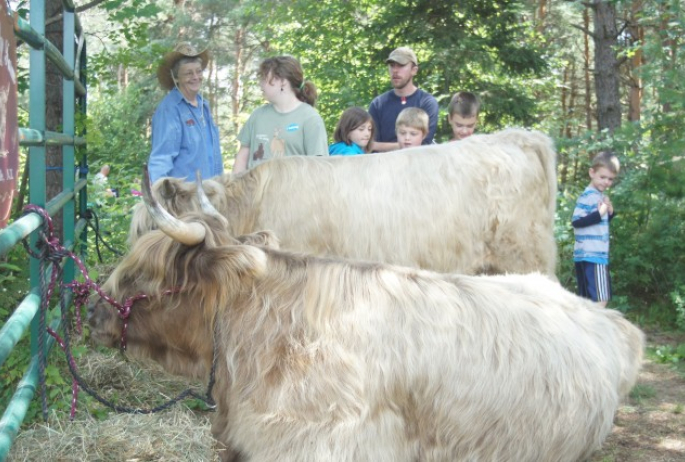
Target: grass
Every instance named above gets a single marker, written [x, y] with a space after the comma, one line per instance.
[640, 392]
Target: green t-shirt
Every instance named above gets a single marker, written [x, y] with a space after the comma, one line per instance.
[271, 134]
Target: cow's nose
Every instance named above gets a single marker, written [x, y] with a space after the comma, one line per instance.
[90, 311]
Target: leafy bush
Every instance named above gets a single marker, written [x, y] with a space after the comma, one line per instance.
[670, 354]
[678, 298]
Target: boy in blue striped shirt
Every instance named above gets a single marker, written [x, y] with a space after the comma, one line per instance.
[591, 228]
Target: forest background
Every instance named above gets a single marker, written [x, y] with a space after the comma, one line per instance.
[593, 75]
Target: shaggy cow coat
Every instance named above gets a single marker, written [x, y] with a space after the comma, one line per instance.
[329, 360]
[481, 205]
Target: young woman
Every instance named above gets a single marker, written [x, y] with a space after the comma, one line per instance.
[288, 125]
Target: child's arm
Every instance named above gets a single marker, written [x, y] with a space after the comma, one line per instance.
[588, 220]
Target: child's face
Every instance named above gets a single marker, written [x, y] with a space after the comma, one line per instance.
[362, 134]
[462, 127]
[409, 136]
[602, 178]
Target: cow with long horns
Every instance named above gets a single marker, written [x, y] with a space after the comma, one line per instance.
[321, 359]
[484, 205]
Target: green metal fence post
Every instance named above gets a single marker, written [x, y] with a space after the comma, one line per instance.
[36, 153]
[27, 314]
[83, 162]
[68, 128]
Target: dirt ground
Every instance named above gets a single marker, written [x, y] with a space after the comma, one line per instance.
[650, 426]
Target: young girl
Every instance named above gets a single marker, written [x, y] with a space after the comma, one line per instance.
[353, 134]
[288, 125]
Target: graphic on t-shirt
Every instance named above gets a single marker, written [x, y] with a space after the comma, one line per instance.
[259, 153]
[277, 144]
[292, 127]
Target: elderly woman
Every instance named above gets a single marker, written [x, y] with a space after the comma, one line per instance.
[184, 136]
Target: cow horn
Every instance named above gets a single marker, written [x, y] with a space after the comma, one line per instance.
[185, 233]
[206, 204]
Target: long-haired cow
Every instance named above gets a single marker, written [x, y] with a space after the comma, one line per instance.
[482, 205]
[322, 359]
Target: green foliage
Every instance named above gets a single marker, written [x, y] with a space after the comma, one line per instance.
[670, 354]
[117, 135]
[112, 220]
[678, 299]
[14, 284]
[124, 41]
[484, 47]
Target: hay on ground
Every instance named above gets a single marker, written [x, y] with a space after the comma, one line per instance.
[176, 434]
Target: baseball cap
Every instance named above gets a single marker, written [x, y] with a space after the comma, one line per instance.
[402, 55]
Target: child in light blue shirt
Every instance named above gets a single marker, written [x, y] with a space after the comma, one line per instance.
[590, 223]
[353, 134]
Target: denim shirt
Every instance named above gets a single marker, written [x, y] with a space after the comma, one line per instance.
[179, 140]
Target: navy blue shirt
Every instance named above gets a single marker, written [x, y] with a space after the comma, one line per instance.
[385, 108]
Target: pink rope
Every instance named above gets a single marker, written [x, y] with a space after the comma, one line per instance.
[81, 291]
[74, 383]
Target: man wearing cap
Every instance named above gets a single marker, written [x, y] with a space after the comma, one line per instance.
[184, 136]
[402, 65]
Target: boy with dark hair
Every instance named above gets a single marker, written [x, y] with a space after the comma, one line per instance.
[462, 114]
[590, 224]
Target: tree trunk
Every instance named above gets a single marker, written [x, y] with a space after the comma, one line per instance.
[122, 77]
[541, 15]
[563, 158]
[606, 65]
[572, 94]
[586, 70]
[564, 107]
[637, 35]
[237, 87]
[53, 111]
[215, 91]
[669, 46]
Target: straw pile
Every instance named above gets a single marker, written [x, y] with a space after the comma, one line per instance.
[177, 434]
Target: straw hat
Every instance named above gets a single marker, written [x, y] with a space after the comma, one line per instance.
[181, 50]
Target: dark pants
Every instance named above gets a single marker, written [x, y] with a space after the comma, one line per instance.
[594, 281]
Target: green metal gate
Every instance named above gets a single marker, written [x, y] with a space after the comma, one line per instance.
[73, 196]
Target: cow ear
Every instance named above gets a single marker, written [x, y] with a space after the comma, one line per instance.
[246, 260]
[167, 189]
[265, 238]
